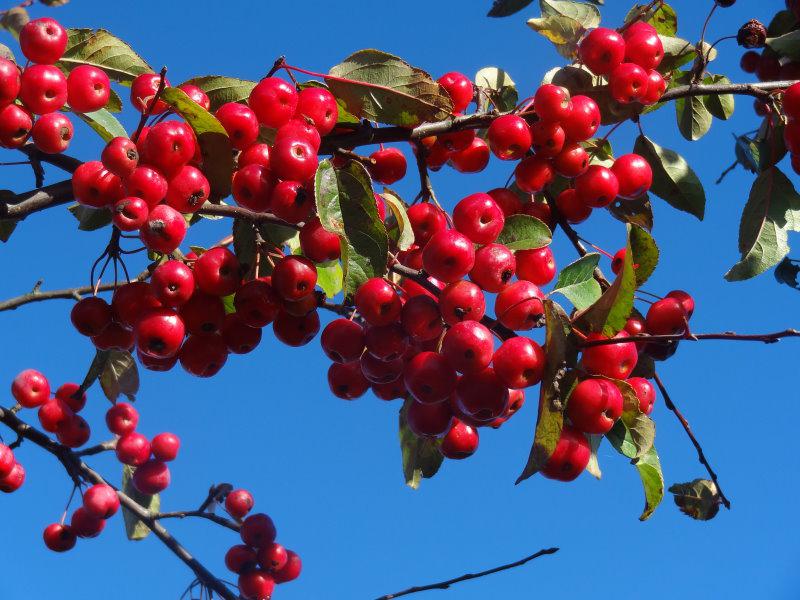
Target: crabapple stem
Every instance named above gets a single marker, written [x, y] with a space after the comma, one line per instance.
[146, 114]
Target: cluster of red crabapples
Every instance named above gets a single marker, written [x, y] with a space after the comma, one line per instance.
[12, 473]
[31, 99]
[59, 415]
[259, 560]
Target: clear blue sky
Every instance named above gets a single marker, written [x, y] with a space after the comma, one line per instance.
[328, 471]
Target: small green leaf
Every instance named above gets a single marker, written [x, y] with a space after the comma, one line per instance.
[772, 210]
[673, 178]
[227, 302]
[421, 456]
[499, 86]
[557, 383]
[101, 49]
[662, 17]
[346, 207]
[678, 52]
[14, 19]
[637, 211]
[719, 105]
[134, 528]
[401, 232]
[104, 123]
[694, 119]
[221, 89]
[600, 152]
[330, 277]
[698, 499]
[90, 218]
[564, 32]
[212, 138]
[381, 87]
[524, 232]
[649, 467]
[634, 432]
[577, 283]
[119, 376]
[5, 52]
[506, 8]
[645, 253]
[99, 361]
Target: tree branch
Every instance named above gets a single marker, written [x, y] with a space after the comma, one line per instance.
[700, 454]
[237, 212]
[182, 514]
[766, 338]
[33, 201]
[758, 90]
[443, 585]
[62, 161]
[77, 469]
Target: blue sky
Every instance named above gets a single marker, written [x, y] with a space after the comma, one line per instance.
[328, 471]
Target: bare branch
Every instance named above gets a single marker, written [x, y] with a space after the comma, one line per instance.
[33, 201]
[766, 338]
[183, 514]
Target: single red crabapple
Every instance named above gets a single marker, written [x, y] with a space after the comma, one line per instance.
[598, 187]
[635, 326]
[429, 377]
[666, 316]
[618, 261]
[94, 186]
[30, 388]
[347, 380]
[519, 362]
[169, 146]
[468, 346]
[473, 158]
[153, 363]
[258, 531]
[300, 129]
[508, 201]
[203, 355]
[238, 503]
[133, 449]
[54, 415]
[584, 119]
[656, 86]
[197, 95]
[685, 299]
[88, 89]
[273, 557]
[637, 27]
[165, 446]
[519, 306]
[68, 393]
[533, 173]
[548, 139]
[509, 137]
[15, 126]
[6, 460]
[479, 218]
[114, 337]
[571, 208]
[436, 155]
[74, 433]
[429, 420]
[426, 221]
[749, 61]
[449, 255]
[461, 301]
[256, 303]
[594, 406]
[91, 315]
[218, 272]
[291, 570]
[461, 441]
[393, 390]
[602, 50]
[9, 82]
[319, 105]
[85, 525]
[388, 167]
[274, 101]
[129, 214]
[143, 91]
[43, 40]
[421, 318]
[240, 558]
[172, 283]
[43, 89]
[148, 184]
[188, 189]
[634, 175]
[240, 122]
[293, 159]
[254, 154]
[52, 133]
[164, 229]
[494, 267]
[573, 160]
[151, 478]
[122, 418]
[616, 361]
[377, 301]
[459, 88]
[317, 243]
[14, 480]
[256, 585]
[343, 340]
[101, 501]
[295, 331]
[552, 103]
[386, 342]
[59, 538]
[570, 457]
[537, 266]
[644, 49]
[291, 201]
[252, 187]
[628, 83]
[379, 371]
[645, 392]
[239, 337]
[482, 396]
[121, 157]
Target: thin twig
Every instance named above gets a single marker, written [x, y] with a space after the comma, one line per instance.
[183, 514]
[443, 585]
[766, 338]
[151, 105]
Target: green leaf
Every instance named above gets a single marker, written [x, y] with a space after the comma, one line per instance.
[766, 149]
[330, 277]
[698, 499]
[637, 211]
[119, 376]
[649, 467]
[221, 89]
[421, 456]
[381, 87]
[506, 8]
[564, 32]
[787, 45]
[90, 218]
[772, 210]
[577, 283]
[634, 432]
[244, 242]
[97, 47]
[609, 314]
[524, 232]
[593, 468]
[586, 14]
[401, 233]
[678, 52]
[575, 79]
[557, 383]
[227, 302]
[134, 528]
[14, 19]
[346, 207]
[343, 117]
[7, 227]
[104, 123]
[663, 17]
[600, 152]
[212, 138]
[645, 253]
[99, 361]
[719, 105]
[499, 86]
[5, 52]
[673, 178]
[694, 119]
